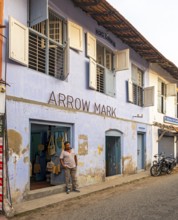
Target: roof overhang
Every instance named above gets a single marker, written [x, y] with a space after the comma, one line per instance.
[113, 21]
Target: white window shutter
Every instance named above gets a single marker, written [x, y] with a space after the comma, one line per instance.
[109, 83]
[92, 75]
[122, 60]
[130, 91]
[91, 46]
[171, 89]
[75, 36]
[18, 42]
[2, 100]
[149, 96]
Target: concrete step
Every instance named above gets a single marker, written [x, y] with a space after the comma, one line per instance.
[47, 191]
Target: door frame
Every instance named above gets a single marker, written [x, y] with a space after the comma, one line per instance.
[143, 148]
[40, 122]
[115, 133]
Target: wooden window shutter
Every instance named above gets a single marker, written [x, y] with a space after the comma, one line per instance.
[122, 60]
[92, 74]
[109, 83]
[38, 11]
[130, 91]
[149, 96]
[109, 61]
[66, 67]
[75, 33]
[91, 46]
[171, 89]
[18, 42]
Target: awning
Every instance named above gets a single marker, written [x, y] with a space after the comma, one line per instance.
[166, 128]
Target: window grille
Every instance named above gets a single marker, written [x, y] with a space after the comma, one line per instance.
[37, 52]
[137, 80]
[47, 48]
[137, 95]
[161, 97]
[104, 63]
[56, 60]
[100, 79]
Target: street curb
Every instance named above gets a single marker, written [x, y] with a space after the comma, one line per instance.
[78, 196]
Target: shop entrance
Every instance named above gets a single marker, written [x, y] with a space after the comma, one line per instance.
[113, 153]
[47, 142]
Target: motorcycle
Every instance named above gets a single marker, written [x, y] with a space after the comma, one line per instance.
[163, 164]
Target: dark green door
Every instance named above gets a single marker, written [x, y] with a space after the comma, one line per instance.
[113, 155]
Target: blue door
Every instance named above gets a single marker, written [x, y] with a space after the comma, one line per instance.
[140, 151]
[113, 155]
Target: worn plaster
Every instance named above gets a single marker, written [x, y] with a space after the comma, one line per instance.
[14, 141]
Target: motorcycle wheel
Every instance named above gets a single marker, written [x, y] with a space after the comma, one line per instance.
[169, 171]
[155, 171]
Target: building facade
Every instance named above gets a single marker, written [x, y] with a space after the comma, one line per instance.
[71, 78]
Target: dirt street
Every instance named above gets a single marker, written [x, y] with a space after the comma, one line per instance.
[150, 198]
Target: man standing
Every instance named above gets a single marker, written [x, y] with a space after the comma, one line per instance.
[68, 160]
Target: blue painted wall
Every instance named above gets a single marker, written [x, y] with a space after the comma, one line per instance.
[28, 86]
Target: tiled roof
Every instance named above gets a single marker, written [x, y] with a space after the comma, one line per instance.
[113, 21]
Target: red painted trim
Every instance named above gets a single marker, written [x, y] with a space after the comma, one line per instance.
[1, 31]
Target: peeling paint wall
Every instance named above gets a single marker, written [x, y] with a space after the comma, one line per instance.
[82, 144]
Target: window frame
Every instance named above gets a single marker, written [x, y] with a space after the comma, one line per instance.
[137, 85]
[161, 107]
[48, 43]
[101, 79]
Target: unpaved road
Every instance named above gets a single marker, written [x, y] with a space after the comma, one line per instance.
[148, 199]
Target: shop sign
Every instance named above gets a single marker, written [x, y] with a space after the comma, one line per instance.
[68, 101]
[170, 120]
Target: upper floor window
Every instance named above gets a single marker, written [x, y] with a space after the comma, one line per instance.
[103, 65]
[136, 93]
[137, 83]
[161, 96]
[48, 46]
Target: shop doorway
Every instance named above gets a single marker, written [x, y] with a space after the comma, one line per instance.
[47, 142]
[140, 151]
[113, 153]
[166, 143]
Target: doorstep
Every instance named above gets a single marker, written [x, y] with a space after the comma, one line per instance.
[47, 191]
[46, 201]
